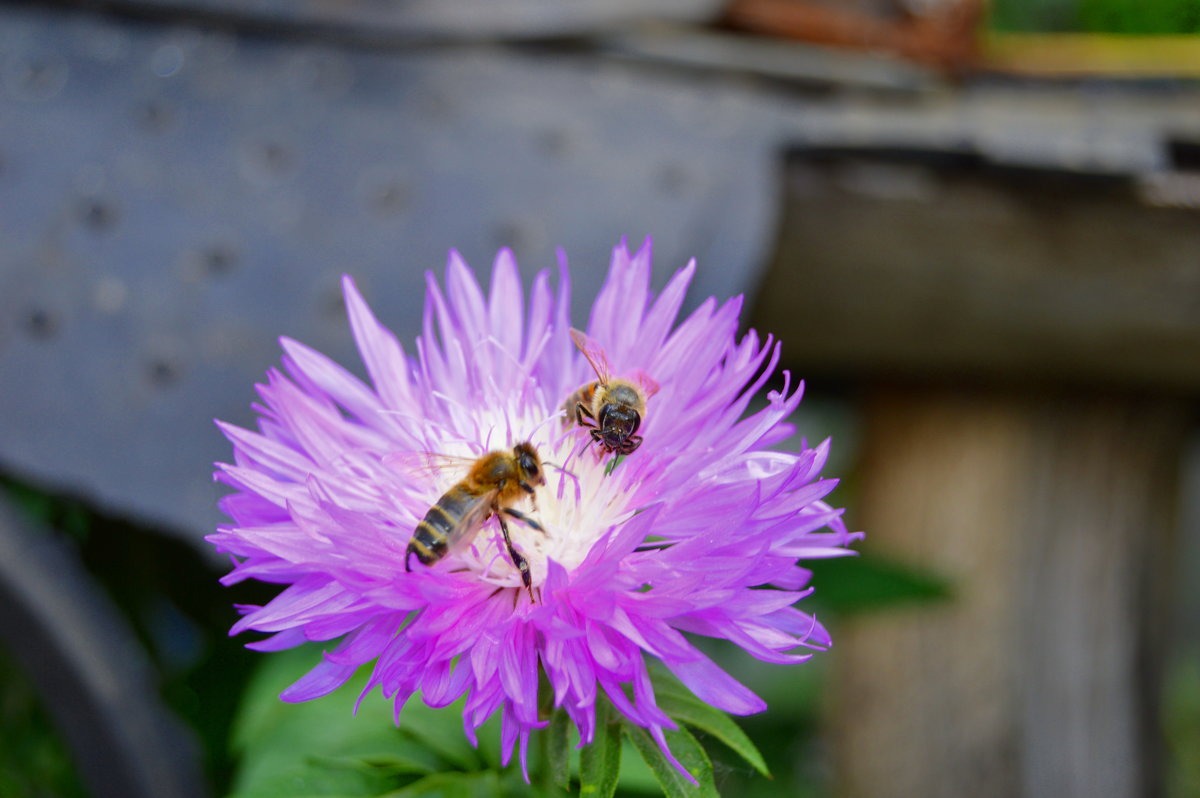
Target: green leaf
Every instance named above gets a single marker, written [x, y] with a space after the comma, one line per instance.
[403, 759]
[697, 714]
[318, 779]
[286, 746]
[483, 784]
[613, 463]
[871, 582]
[690, 754]
[674, 698]
[439, 730]
[600, 762]
[556, 749]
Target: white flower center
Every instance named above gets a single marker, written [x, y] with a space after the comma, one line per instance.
[576, 506]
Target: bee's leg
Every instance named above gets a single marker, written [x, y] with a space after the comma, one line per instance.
[514, 555]
[580, 412]
[631, 444]
[524, 519]
[525, 486]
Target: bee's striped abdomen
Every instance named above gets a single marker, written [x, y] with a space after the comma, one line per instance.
[432, 537]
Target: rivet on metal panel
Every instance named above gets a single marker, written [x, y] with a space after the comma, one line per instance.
[556, 143]
[384, 194]
[162, 372]
[155, 116]
[40, 323]
[522, 236]
[331, 305]
[98, 214]
[220, 259]
[266, 162]
[34, 80]
[212, 262]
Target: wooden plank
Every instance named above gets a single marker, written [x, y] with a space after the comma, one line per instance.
[942, 265]
[1051, 516]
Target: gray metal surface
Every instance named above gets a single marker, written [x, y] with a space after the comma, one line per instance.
[173, 199]
[457, 19]
[174, 196]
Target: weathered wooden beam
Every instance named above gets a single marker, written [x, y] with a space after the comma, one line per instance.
[944, 265]
[1051, 515]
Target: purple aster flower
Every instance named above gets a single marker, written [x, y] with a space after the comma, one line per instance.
[676, 539]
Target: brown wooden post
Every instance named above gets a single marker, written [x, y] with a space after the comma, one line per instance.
[1028, 346]
[1051, 517]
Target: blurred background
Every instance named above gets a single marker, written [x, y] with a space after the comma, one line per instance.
[975, 227]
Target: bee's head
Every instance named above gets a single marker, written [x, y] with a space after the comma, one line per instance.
[529, 464]
[618, 423]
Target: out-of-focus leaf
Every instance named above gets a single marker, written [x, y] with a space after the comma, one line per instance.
[481, 784]
[871, 582]
[440, 730]
[690, 754]
[317, 779]
[600, 762]
[34, 760]
[556, 750]
[409, 760]
[325, 743]
[1181, 722]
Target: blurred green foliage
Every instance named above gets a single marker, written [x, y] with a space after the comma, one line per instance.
[1097, 16]
[34, 761]
[1181, 719]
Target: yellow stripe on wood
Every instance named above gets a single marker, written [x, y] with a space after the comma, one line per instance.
[1088, 54]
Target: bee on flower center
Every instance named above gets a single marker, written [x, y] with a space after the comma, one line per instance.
[495, 482]
[611, 409]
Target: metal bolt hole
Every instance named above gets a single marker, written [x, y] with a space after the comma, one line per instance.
[97, 214]
[220, 260]
[388, 198]
[275, 157]
[161, 372]
[155, 116]
[41, 324]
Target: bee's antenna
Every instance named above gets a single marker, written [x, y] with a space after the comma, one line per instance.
[562, 481]
[543, 422]
[560, 468]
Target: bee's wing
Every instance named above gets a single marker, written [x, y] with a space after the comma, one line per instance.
[594, 354]
[427, 464]
[644, 381]
[471, 522]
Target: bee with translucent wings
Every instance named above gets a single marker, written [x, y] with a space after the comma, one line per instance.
[610, 408]
[493, 483]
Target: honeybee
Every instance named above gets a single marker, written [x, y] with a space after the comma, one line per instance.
[613, 407]
[495, 482]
